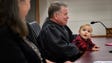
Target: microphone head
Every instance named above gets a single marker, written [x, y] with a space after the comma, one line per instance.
[93, 22]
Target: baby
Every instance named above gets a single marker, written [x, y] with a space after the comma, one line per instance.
[83, 40]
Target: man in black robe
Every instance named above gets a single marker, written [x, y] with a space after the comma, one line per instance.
[55, 37]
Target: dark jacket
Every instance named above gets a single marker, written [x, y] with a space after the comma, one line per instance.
[56, 43]
[13, 49]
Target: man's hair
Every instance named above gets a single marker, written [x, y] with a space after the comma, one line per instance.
[54, 7]
[9, 16]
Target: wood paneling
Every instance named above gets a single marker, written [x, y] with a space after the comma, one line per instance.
[37, 11]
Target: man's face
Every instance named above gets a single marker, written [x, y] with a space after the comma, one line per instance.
[62, 16]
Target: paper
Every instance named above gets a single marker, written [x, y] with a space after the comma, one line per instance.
[102, 62]
[108, 44]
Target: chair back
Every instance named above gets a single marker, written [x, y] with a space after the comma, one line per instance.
[35, 26]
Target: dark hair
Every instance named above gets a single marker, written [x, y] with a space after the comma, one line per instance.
[54, 7]
[9, 16]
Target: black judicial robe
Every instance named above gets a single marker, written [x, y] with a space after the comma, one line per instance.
[55, 41]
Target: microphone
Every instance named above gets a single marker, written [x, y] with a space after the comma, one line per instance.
[93, 22]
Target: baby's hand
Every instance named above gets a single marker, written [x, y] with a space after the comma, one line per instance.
[95, 48]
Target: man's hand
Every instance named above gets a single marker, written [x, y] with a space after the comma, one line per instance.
[68, 62]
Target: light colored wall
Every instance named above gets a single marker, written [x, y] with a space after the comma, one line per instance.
[82, 12]
[43, 8]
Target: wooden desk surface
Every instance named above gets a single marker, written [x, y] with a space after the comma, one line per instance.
[101, 55]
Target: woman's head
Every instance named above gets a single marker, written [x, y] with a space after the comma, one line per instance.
[85, 31]
[12, 14]
[24, 7]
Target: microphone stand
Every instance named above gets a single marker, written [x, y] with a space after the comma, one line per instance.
[93, 22]
[102, 24]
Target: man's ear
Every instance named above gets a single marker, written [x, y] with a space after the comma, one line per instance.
[55, 15]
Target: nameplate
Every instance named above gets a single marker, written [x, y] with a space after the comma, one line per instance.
[102, 62]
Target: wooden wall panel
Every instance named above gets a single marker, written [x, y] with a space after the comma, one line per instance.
[37, 11]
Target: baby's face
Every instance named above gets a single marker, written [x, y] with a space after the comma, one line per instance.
[85, 32]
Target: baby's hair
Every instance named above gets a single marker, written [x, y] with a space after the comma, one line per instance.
[85, 25]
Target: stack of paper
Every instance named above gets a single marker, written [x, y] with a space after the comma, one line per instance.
[108, 44]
